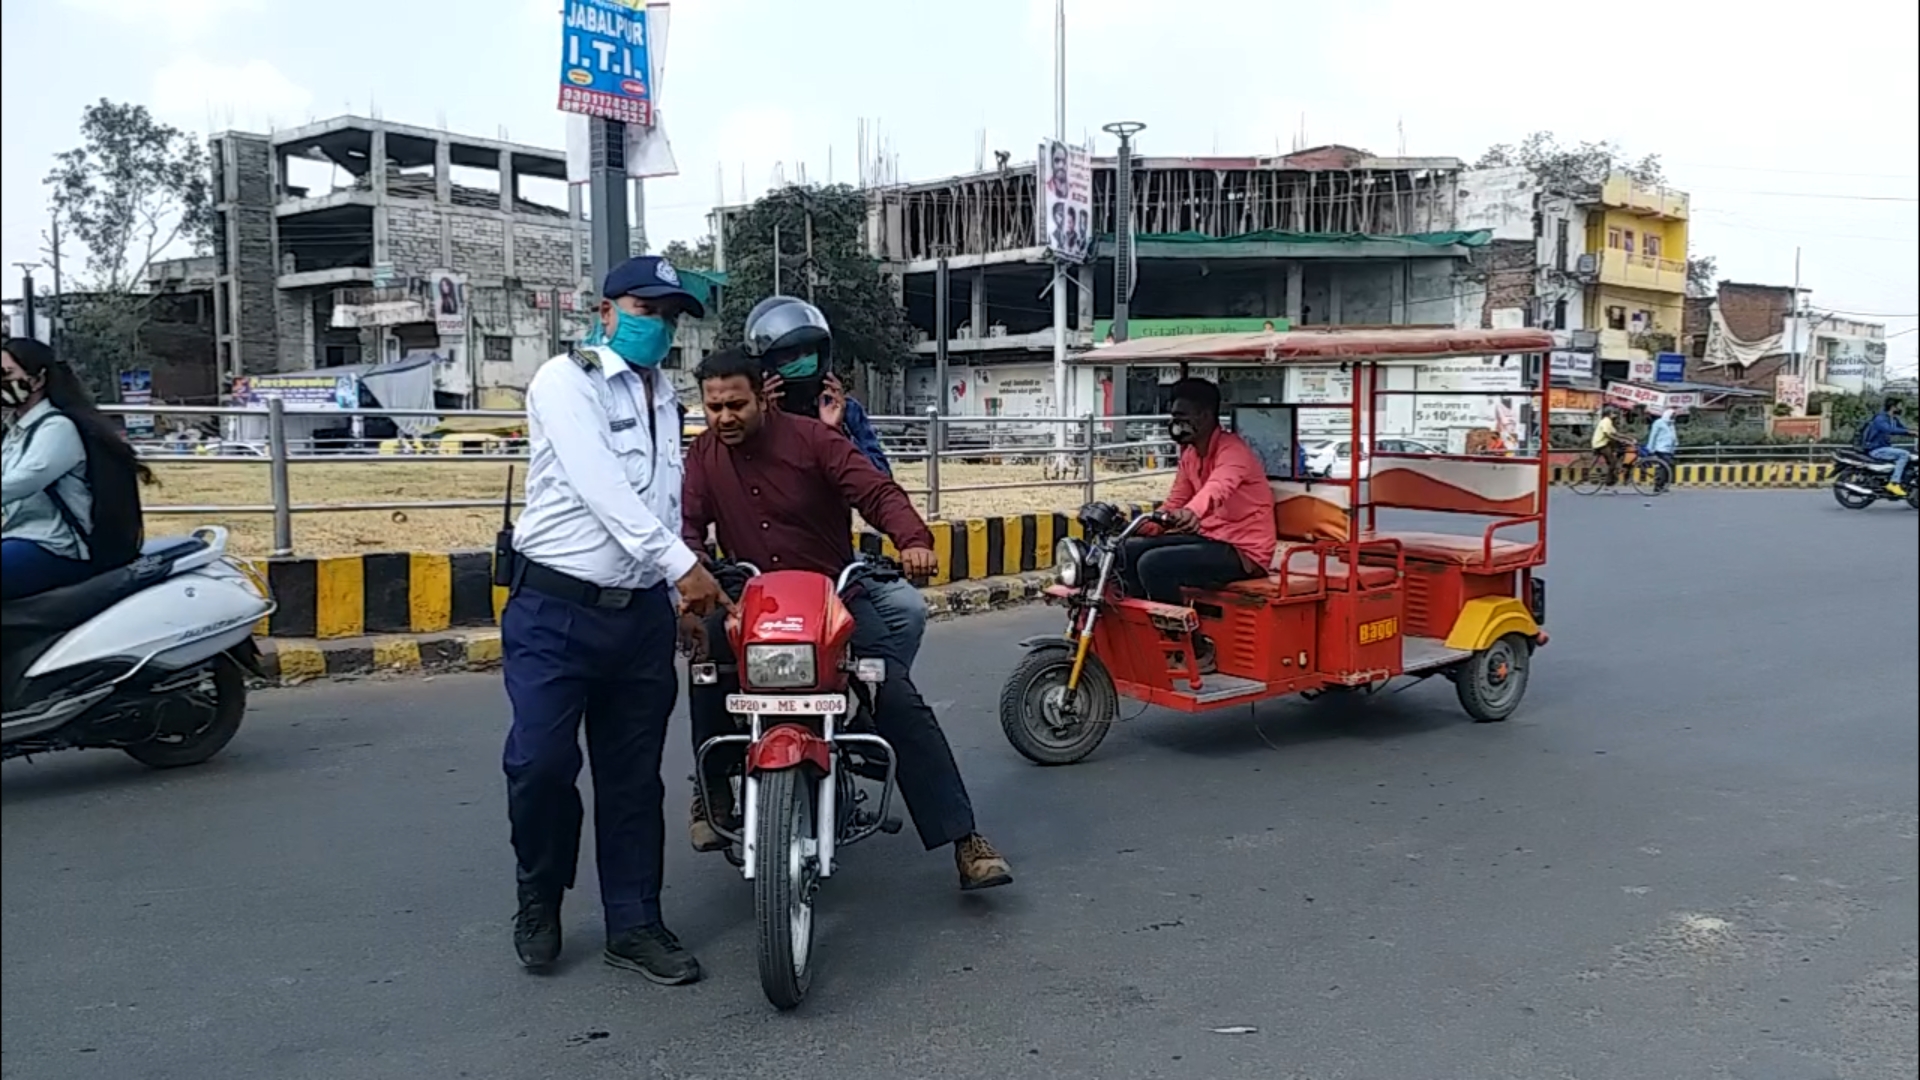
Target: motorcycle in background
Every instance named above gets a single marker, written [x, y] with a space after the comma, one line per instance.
[1860, 480]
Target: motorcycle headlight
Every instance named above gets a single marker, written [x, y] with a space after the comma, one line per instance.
[780, 667]
[1070, 562]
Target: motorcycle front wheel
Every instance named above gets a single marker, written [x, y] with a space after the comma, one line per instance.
[786, 871]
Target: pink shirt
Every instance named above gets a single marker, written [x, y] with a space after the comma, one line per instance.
[1228, 490]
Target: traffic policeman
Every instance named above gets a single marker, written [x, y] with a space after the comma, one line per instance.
[596, 570]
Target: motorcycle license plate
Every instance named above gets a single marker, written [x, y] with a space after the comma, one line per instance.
[787, 705]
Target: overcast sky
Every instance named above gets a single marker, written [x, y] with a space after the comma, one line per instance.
[1786, 135]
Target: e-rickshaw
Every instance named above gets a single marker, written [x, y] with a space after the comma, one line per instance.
[1346, 605]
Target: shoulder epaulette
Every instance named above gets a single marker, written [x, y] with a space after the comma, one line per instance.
[586, 358]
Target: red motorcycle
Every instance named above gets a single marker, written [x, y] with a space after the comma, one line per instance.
[804, 710]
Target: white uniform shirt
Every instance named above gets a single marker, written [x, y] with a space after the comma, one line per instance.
[603, 485]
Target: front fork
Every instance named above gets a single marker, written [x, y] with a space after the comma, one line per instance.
[1094, 599]
[826, 804]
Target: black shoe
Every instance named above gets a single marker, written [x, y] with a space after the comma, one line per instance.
[536, 929]
[654, 952]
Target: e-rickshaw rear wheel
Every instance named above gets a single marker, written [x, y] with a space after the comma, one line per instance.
[1046, 724]
[1492, 681]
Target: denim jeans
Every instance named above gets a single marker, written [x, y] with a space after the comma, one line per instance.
[904, 611]
[1896, 454]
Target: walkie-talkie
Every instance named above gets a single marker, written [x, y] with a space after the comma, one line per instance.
[504, 557]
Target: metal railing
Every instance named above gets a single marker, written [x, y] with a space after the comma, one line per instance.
[1071, 451]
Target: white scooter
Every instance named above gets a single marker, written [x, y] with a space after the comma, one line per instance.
[151, 658]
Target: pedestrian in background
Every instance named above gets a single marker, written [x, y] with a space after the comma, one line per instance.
[1663, 442]
[590, 626]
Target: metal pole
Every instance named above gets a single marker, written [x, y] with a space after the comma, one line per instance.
[553, 322]
[810, 274]
[1059, 269]
[1799, 318]
[1090, 436]
[282, 493]
[607, 182]
[26, 297]
[1123, 224]
[941, 300]
[776, 258]
[936, 438]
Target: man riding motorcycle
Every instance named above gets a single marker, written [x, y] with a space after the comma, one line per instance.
[794, 345]
[778, 491]
[1876, 438]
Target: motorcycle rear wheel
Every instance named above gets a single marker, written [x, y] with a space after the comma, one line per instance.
[1853, 500]
[222, 722]
[785, 874]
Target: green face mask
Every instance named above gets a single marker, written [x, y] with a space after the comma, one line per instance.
[805, 366]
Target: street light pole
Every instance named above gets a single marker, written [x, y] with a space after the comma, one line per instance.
[26, 296]
[1061, 407]
[1123, 223]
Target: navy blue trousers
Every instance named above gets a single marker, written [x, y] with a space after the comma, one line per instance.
[566, 663]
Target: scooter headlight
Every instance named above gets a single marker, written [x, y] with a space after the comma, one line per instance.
[1070, 562]
[780, 667]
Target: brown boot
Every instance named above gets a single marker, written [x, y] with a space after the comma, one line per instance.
[981, 867]
[701, 831]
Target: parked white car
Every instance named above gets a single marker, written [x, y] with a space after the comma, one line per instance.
[1334, 460]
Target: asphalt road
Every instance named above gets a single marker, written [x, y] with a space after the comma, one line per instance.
[1691, 855]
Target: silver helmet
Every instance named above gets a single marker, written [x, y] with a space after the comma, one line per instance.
[786, 323]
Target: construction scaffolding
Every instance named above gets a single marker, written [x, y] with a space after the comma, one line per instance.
[1328, 191]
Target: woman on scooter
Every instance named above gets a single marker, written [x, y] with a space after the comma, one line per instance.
[69, 481]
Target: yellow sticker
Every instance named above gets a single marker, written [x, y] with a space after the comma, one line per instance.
[1378, 630]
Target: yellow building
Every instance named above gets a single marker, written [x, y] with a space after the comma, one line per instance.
[1638, 235]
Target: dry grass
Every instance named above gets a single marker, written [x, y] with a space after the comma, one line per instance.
[335, 533]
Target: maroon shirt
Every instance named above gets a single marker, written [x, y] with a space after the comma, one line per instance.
[783, 500]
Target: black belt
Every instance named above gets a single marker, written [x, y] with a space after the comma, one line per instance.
[571, 589]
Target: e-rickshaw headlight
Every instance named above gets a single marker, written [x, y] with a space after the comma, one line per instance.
[1070, 562]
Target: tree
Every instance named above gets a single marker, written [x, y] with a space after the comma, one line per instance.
[869, 327]
[1569, 168]
[1703, 275]
[698, 256]
[132, 190]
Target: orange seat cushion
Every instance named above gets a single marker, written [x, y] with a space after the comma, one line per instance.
[1303, 578]
[1454, 549]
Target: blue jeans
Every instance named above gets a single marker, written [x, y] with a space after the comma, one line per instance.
[27, 569]
[1898, 455]
[904, 611]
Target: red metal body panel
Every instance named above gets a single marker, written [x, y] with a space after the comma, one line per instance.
[784, 746]
[794, 607]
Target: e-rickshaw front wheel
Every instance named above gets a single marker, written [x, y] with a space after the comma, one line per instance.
[1044, 722]
[1492, 681]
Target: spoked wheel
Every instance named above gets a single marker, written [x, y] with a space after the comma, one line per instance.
[1045, 723]
[786, 873]
[217, 704]
[1493, 680]
[1648, 476]
[1592, 477]
[1854, 500]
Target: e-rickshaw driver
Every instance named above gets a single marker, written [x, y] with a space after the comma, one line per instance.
[1218, 523]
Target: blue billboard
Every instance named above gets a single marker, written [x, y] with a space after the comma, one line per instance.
[604, 67]
[1669, 367]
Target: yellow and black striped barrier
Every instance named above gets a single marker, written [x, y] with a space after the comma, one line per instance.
[426, 592]
[1750, 474]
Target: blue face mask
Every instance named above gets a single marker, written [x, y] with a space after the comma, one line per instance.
[640, 340]
[801, 367]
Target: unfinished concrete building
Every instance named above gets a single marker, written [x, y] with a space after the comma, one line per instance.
[337, 273]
